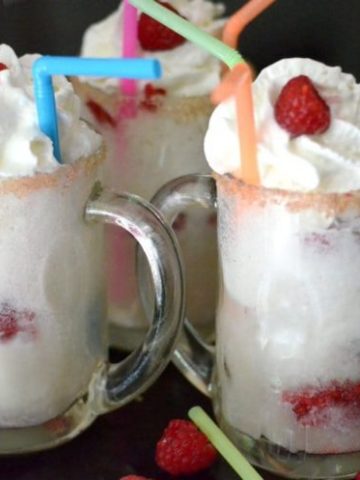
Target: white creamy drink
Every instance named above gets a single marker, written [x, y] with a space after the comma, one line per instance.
[160, 139]
[288, 336]
[50, 288]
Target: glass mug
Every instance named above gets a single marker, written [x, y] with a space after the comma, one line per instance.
[157, 138]
[55, 378]
[285, 376]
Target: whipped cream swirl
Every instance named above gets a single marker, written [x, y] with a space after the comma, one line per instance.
[24, 149]
[328, 162]
[188, 70]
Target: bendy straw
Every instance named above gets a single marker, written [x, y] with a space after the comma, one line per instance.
[240, 19]
[129, 43]
[189, 31]
[237, 82]
[46, 66]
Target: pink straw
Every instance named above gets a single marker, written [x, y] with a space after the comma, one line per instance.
[130, 44]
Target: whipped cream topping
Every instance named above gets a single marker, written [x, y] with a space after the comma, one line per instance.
[24, 149]
[188, 70]
[328, 162]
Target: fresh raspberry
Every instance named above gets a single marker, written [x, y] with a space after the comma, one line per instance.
[100, 114]
[151, 97]
[3, 67]
[155, 36]
[312, 405]
[300, 109]
[357, 476]
[183, 449]
[13, 322]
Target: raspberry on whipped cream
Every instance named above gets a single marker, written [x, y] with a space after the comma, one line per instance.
[326, 162]
[155, 36]
[187, 69]
[300, 110]
[24, 149]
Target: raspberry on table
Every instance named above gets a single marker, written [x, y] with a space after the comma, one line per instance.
[154, 36]
[300, 109]
[183, 449]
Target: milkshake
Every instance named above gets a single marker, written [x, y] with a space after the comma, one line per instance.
[51, 263]
[288, 339]
[55, 376]
[160, 134]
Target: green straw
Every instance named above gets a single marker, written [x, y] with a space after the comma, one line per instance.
[222, 444]
[189, 31]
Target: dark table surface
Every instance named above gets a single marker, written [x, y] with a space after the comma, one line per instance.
[120, 443]
[326, 30]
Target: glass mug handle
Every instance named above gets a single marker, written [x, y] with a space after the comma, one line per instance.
[121, 382]
[192, 356]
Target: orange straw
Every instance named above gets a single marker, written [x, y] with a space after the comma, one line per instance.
[238, 21]
[237, 82]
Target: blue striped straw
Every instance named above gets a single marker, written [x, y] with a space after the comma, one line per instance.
[46, 66]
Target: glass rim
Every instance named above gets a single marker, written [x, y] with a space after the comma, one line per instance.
[328, 201]
[64, 174]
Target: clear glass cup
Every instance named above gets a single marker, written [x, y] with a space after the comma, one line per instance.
[285, 376]
[55, 378]
[150, 140]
